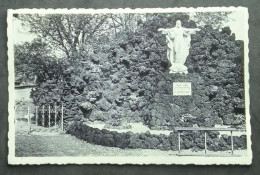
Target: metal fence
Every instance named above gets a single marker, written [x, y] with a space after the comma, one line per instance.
[46, 116]
[181, 129]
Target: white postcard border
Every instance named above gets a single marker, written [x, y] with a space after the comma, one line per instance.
[12, 159]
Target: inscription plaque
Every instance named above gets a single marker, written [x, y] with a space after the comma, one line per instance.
[181, 88]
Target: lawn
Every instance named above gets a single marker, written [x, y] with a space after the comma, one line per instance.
[44, 142]
[48, 142]
[30, 145]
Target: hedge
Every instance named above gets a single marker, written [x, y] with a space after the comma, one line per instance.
[189, 140]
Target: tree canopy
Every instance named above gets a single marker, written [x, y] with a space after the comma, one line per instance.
[214, 19]
[67, 36]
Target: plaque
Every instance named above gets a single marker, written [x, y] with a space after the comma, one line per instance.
[181, 88]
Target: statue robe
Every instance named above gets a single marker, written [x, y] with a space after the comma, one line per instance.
[178, 44]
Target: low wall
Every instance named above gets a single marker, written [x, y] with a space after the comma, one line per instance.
[189, 139]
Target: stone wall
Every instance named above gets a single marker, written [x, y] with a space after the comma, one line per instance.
[129, 82]
[126, 80]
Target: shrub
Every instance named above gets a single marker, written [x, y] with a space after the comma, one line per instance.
[121, 140]
[194, 140]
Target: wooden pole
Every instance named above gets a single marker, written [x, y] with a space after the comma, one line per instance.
[55, 116]
[49, 116]
[36, 118]
[62, 117]
[179, 141]
[29, 120]
[43, 120]
[205, 142]
[232, 146]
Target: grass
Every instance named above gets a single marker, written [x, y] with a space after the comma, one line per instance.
[29, 145]
[59, 145]
[46, 142]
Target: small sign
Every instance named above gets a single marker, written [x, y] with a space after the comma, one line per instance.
[181, 88]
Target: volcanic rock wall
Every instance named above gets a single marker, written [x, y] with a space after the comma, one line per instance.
[127, 81]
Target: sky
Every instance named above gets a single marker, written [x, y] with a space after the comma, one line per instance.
[21, 33]
[236, 25]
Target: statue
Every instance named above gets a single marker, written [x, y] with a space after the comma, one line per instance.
[178, 45]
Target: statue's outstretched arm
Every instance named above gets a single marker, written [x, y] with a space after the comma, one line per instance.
[164, 31]
[161, 29]
[191, 31]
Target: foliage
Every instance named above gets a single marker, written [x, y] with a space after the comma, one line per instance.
[122, 140]
[215, 19]
[116, 62]
[121, 69]
[35, 59]
[64, 31]
[151, 141]
[68, 32]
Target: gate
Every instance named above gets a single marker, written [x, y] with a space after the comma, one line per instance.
[50, 116]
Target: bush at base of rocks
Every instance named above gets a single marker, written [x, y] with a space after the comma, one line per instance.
[122, 140]
[189, 140]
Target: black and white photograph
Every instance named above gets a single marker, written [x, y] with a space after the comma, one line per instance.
[129, 86]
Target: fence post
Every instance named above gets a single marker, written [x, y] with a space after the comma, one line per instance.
[205, 142]
[232, 146]
[179, 141]
[43, 120]
[36, 118]
[29, 120]
[49, 116]
[15, 120]
[62, 117]
[55, 117]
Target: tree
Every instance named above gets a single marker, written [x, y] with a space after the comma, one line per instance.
[117, 41]
[125, 22]
[214, 19]
[64, 32]
[37, 59]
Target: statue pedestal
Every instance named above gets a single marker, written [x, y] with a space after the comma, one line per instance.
[178, 68]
